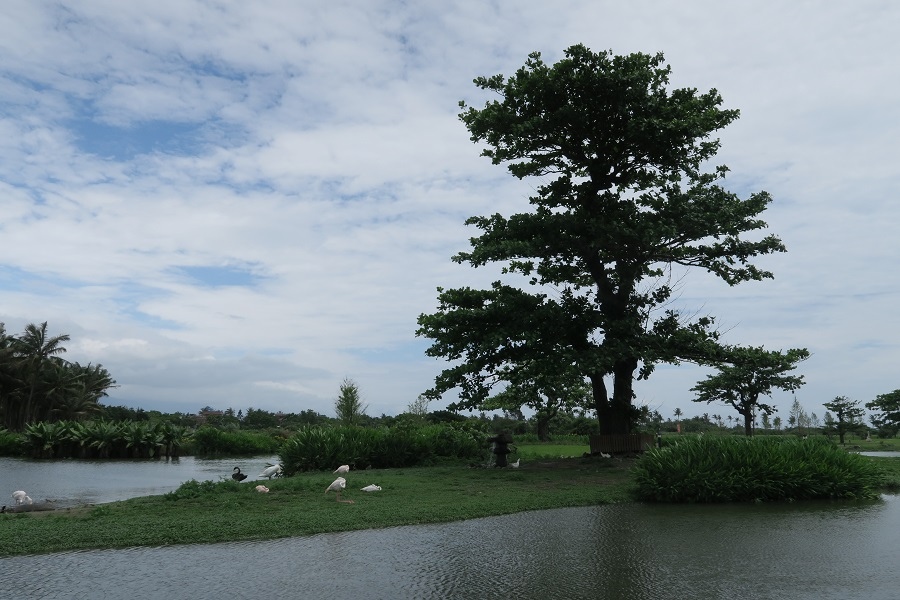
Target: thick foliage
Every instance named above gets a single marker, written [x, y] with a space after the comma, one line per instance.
[324, 448]
[209, 441]
[11, 444]
[735, 469]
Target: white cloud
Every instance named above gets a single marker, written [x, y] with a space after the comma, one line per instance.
[318, 145]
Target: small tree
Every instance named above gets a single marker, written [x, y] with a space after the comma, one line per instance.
[419, 406]
[749, 374]
[798, 417]
[847, 416]
[348, 406]
[887, 419]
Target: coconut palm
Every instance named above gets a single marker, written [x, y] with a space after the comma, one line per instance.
[34, 348]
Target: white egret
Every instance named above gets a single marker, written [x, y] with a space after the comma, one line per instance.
[270, 472]
[371, 488]
[21, 497]
[237, 475]
[342, 469]
[337, 486]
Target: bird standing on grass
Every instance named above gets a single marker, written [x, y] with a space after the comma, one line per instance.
[342, 469]
[337, 486]
[237, 475]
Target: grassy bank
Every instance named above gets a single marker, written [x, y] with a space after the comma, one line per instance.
[211, 512]
[227, 511]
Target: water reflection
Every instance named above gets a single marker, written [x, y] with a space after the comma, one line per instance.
[635, 552]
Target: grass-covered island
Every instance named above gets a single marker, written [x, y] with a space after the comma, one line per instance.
[208, 512]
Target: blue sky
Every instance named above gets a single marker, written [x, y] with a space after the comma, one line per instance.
[240, 204]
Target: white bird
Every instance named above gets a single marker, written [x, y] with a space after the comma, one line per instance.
[371, 488]
[262, 489]
[270, 472]
[21, 497]
[515, 465]
[605, 455]
[337, 486]
[342, 469]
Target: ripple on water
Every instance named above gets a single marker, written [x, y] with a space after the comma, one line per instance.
[797, 551]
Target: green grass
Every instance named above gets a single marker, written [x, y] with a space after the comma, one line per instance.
[548, 450]
[211, 512]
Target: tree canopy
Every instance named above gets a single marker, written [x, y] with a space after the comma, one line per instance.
[746, 375]
[887, 413]
[37, 384]
[849, 416]
[621, 200]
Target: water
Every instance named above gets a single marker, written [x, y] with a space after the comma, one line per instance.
[821, 550]
[78, 482]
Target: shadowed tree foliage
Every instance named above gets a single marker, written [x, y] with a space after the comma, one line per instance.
[622, 200]
[750, 373]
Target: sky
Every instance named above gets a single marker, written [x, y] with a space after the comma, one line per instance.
[240, 204]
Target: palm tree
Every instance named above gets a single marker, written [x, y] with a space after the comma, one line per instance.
[34, 348]
[10, 382]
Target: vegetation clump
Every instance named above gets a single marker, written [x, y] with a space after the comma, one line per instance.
[740, 469]
[405, 445]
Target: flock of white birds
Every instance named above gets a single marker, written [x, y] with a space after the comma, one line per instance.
[337, 486]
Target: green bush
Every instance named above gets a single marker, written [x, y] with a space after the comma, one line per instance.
[210, 441]
[317, 448]
[12, 444]
[737, 469]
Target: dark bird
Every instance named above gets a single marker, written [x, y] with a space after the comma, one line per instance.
[237, 475]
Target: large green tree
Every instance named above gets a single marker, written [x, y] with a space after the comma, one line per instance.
[622, 202]
[848, 415]
[746, 375]
[886, 417]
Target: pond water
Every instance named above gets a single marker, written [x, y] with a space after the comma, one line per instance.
[78, 482]
[821, 550]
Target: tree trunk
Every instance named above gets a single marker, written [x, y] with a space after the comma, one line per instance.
[748, 423]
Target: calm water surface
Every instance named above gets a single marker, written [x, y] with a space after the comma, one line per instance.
[78, 482]
[830, 550]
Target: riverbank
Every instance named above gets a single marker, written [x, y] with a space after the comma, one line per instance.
[211, 512]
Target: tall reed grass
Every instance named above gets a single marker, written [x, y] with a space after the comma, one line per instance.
[739, 469]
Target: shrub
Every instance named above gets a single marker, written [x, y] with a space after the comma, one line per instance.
[12, 444]
[736, 469]
[318, 448]
[210, 441]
